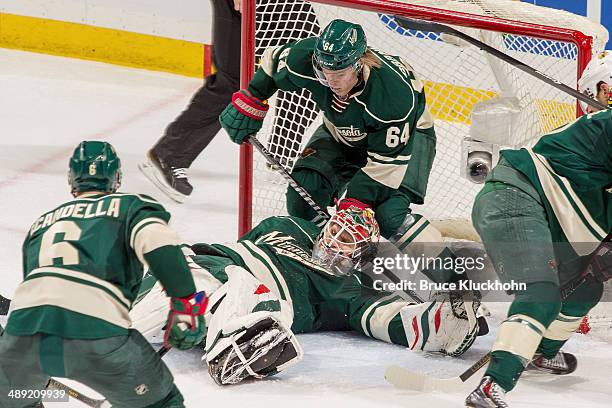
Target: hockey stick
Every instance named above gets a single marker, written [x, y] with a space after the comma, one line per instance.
[322, 215]
[53, 384]
[410, 380]
[422, 25]
[406, 379]
[92, 402]
[4, 305]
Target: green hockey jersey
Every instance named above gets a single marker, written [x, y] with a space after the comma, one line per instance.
[385, 118]
[278, 252]
[571, 168]
[83, 265]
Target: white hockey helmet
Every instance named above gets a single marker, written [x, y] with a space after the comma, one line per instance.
[598, 70]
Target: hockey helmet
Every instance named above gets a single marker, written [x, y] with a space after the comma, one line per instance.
[597, 71]
[340, 45]
[94, 166]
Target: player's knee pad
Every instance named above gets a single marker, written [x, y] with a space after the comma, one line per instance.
[448, 324]
[261, 347]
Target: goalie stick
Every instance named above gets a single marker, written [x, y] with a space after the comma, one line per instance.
[422, 25]
[91, 402]
[411, 380]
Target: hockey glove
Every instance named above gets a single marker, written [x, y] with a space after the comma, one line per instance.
[244, 116]
[186, 327]
[600, 265]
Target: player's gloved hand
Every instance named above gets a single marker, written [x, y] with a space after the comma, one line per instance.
[600, 265]
[244, 116]
[186, 327]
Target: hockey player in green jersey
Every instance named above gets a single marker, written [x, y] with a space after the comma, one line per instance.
[82, 269]
[544, 216]
[288, 276]
[377, 141]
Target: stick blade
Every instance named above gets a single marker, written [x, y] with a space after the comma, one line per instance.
[410, 380]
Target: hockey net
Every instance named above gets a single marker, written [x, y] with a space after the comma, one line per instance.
[457, 76]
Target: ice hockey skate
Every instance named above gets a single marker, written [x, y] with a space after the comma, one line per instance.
[171, 180]
[560, 364]
[489, 394]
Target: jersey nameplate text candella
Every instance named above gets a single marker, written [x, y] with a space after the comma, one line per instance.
[108, 208]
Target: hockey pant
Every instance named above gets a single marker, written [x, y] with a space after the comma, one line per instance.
[124, 369]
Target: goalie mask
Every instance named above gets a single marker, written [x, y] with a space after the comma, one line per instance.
[347, 240]
[340, 45]
[596, 78]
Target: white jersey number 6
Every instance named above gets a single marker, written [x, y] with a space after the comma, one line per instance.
[50, 250]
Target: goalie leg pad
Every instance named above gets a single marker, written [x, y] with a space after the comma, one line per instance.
[258, 351]
[447, 325]
[248, 330]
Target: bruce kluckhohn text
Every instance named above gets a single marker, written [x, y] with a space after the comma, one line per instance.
[466, 285]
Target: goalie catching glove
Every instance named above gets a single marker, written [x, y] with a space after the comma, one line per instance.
[186, 327]
[243, 116]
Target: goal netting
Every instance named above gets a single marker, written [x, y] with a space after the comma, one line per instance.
[458, 77]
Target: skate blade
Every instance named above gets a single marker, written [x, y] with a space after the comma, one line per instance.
[160, 182]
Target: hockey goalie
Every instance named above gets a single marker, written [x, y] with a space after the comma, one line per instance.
[287, 276]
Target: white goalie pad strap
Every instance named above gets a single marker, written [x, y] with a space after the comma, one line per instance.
[519, 335]
[563, 327]
[233, 305]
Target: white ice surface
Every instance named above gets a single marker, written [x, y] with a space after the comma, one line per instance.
[49, 104]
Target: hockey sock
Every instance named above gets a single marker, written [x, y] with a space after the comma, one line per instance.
[505, 368]
[520, 334]
[574, 308]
